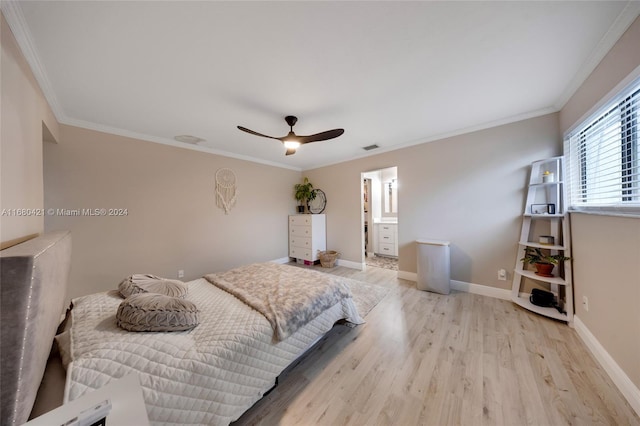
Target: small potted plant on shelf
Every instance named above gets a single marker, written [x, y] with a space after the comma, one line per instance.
[544, 263]
[303, 192]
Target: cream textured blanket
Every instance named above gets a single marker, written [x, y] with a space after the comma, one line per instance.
[289, 297]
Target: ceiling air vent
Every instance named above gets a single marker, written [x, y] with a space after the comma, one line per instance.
[370, 147]
[188, 139]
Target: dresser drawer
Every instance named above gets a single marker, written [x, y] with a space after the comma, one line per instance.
[300, 242]
[301, 219]
[300, 253]
[387, 237]
[307, 236]
[387, 228]
[299, 231]
[388, 249]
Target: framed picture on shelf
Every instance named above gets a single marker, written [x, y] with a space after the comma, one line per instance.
[538, 209]
[543, 209]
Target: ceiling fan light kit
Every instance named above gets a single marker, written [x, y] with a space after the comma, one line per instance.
[292, 141]
[291, 144]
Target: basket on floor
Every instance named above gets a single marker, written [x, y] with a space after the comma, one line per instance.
[328, 258]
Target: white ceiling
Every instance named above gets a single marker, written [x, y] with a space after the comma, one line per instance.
[390, 73]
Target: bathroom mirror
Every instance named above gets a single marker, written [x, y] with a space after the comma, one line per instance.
[390, 196]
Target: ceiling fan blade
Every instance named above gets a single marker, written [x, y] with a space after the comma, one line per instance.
[291, 139]
[322, 136]
[244, 129]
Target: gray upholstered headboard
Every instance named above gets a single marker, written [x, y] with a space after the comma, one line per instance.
[33, 282]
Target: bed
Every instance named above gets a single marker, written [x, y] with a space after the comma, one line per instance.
[34, 280]
[213, 373]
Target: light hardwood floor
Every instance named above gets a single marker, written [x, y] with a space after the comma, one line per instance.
[430, 359]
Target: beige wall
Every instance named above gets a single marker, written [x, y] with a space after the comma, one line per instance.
[606, 252]
[606, 249]
[173, 222]
[23, 111]
[467, 189]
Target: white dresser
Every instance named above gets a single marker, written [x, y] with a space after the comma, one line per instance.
[307, 235]
[386, 239]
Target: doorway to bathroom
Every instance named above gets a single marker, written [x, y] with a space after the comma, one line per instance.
[380, 218]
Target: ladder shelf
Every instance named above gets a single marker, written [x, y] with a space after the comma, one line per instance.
[543, 246]
[545, 225]
[532, 275]
[548, 312]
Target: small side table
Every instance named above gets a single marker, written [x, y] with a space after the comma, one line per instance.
[127, 405]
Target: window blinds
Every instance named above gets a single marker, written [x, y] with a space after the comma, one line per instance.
[603, 156]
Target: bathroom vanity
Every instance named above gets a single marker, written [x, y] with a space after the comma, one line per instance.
[385, 238]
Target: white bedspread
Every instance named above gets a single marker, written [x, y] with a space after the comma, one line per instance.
[209, 375]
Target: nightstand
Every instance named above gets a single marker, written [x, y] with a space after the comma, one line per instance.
[127, 405]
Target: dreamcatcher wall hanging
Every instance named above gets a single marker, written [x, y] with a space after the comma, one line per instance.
[226, 192]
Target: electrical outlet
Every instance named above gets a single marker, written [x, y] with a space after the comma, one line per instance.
[180, 273]
[502, 275]
[585, 303]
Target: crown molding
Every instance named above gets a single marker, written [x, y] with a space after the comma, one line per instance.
[440, 136]
[624, 20]
[165, 141]
[18, 25]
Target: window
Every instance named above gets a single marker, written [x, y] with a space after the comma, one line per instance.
[603, 157]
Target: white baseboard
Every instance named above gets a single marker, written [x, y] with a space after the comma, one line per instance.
[339, 262]
[409, 276]
[350, 264]
[483, 290]
[619, 377]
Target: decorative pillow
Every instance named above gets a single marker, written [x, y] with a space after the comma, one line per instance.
[156, 312]
[64, 347]
[144, 283]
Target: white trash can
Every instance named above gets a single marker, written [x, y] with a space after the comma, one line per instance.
[434, 269]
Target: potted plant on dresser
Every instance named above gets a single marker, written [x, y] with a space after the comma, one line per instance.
[544, 263]
[303, 193]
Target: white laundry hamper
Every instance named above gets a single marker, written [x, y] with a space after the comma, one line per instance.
[434, 266]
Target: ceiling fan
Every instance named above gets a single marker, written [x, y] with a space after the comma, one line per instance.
[293, 141]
